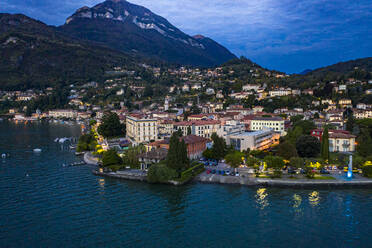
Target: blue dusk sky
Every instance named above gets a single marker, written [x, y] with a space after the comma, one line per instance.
[286, 35]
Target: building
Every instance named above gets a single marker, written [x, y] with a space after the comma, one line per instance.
[62, 113]
[196, 145]
[339, 140]
[165, 128]
[362, 114]
[249, 87]
[280, 92]
[203, 128]
[258, 140]
[141, 129]
[230, 128]
[274, 123]
[152, 157]
[345, 103]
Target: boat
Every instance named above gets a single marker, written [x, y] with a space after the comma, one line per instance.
[78, 163]
[63, 140]
[3, 155]
[37, 150]
[79, 153]
[56, 140]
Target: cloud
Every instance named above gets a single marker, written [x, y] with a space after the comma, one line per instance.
[263, 30]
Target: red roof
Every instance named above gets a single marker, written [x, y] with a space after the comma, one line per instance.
[197, 123]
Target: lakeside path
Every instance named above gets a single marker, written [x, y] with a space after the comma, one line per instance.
[89, 159]
[357, 182]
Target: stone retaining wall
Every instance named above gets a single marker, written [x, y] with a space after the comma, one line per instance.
[280, 183]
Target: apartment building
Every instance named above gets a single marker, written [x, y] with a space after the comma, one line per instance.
[203, 128]
[258, 140]
[141, 128]
[274, 123]
[62, 113]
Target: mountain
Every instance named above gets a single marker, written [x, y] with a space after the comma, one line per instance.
[359, 69]
[131, 28]
[35, 55]
[304, 72]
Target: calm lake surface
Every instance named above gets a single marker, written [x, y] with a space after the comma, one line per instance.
[43, 204]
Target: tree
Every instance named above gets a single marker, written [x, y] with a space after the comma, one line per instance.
[208, 154]
[350, 123]
[287, 150]
[296, 118]
[325, 144]
[364, 143]
[308, 146]
[234, 159]
[306, 126]
[111, 157]
[86, 142]
[297, 162]
[177, 155]
[294, 134]
[275, 163]
[251, 161]
[148, 92]
[219, 148]
[161, 173]
[131, 156]
[188, 130]
[111, 126]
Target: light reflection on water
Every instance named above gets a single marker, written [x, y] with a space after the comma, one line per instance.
[314, 198]
[261, 198]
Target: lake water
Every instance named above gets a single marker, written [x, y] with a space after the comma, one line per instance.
[43, 204]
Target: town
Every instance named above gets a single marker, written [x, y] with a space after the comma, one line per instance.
[246, 111]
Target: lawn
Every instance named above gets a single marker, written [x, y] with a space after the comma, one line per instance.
[320, 177]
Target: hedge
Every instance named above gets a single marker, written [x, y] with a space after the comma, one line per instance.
[191, 172]
[367, 171]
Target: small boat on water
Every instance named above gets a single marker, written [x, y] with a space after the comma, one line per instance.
[37, 150]
[63, 140]
[3, 155]
[56, 140]
[78, 163]
[79, 153]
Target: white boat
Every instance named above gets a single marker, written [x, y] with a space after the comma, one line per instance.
[63, 140]
[3, 155]
[37, 150]
[56, 140]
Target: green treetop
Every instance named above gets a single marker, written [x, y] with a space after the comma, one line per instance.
[325, 144]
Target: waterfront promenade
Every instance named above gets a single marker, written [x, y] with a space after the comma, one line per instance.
[338, 182]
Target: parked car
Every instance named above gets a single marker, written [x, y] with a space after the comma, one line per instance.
[291, 171]
[213, 171]
[237, 174]
[324, 171]
[208, 171]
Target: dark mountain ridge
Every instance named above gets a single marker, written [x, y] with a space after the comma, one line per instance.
[35, 55]
[132, 28]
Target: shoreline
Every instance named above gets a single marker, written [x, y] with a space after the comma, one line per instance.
[285, 183]
[89, 159]
[249, 181]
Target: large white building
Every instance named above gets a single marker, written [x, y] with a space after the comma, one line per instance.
[258, 140]
[280, 92]
[274, 123]
[141, 129]
[229, 128]
[203, 128]
[62, 113]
